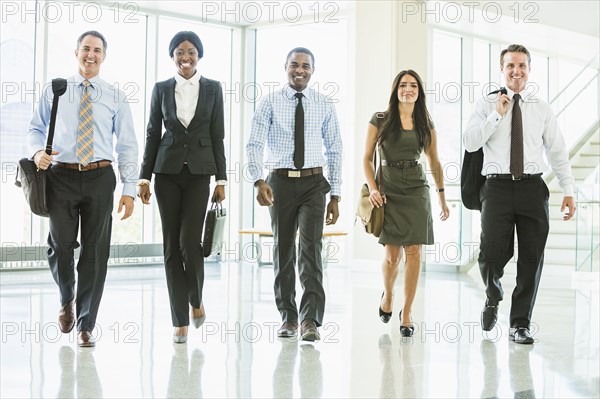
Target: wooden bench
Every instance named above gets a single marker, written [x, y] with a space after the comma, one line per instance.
[328, 245]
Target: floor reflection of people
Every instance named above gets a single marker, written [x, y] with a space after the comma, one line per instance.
[84, 376]
[387, 388]
[283, 376]
[408, 382]
[521, 382]
[184, 381]
[66, 360]
[311, 372]
[88, 381]
[490, 369]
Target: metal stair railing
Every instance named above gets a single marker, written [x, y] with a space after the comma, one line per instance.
[594, 59]
[589, 133]
[588, 229]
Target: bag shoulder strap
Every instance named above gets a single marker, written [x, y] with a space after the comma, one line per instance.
[59, 86]
[378, 172]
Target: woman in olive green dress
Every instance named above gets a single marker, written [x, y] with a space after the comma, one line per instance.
[403, 132]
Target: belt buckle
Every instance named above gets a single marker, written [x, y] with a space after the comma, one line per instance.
[294, 173]
[79, 167]
[517, 178]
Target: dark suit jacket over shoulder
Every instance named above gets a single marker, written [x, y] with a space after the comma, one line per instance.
[200, 144]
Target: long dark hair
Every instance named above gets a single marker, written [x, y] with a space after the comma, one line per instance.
[421, 119]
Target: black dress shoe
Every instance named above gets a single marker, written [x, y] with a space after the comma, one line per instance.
[288, 330]
[66, 317]
[406, 331]
[85, 339]
[309, 330]
[384, 316]
[489, 316]
[521, 335]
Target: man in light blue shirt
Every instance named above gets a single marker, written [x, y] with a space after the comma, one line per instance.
[301, 130]
[81, 181]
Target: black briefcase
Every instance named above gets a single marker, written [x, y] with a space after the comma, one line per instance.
[471, 179]
[29, 177]
[214, 226]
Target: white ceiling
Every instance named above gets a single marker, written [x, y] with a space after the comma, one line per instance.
[579, 16]
[250, 12]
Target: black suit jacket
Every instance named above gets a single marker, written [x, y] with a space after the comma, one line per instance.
[200, 144]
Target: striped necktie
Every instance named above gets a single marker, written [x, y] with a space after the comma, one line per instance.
[85, 130]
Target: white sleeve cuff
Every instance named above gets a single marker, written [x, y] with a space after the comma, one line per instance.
[494, 118]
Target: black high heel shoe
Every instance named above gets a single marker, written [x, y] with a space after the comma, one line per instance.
[406, 331]
[384, 316]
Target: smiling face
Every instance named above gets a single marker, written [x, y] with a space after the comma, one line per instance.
[299, 68]
[90, 55]
[186, 58]
[515, 69]
[408, 89]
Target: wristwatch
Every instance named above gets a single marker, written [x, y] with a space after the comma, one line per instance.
[337, 198]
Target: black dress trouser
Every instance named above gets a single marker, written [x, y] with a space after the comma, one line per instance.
[299, 205]
[182, 200]
[507, 204]
[84, 198]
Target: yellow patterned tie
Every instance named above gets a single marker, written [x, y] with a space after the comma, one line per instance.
[85, 129]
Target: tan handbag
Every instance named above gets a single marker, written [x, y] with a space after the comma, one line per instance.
[370, 216]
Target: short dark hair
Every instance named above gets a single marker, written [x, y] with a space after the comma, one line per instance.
[181, 37]
[95, 34]
[302, 50]
[515, 48]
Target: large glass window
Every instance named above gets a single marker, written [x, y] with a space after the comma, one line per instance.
[330, 77]
[39, 49]
[123, 68]
[571, 89]
[538, 76]
[215, 65]
[16, 78]
[575, 101]
[444, 93]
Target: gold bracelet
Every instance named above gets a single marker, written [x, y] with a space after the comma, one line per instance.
[143, 183]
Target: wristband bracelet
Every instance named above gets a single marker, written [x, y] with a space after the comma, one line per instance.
[440, 190]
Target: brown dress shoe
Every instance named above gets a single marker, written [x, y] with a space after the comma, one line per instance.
[309, 330]
[85, 339]
[66, 318]
[288, 329]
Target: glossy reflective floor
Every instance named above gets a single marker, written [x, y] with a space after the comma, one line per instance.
[236, 353]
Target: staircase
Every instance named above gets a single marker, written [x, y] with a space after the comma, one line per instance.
[562, 240]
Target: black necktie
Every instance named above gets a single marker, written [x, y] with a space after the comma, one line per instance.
[516, 140]
[299, 134]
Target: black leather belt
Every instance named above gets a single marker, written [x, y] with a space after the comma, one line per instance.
[299, 172]
[497, 176]
[82, 168]
[400, 164]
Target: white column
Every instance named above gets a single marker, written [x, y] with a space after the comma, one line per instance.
[389, 38]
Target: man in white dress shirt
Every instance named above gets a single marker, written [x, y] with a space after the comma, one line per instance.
[515, 131]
